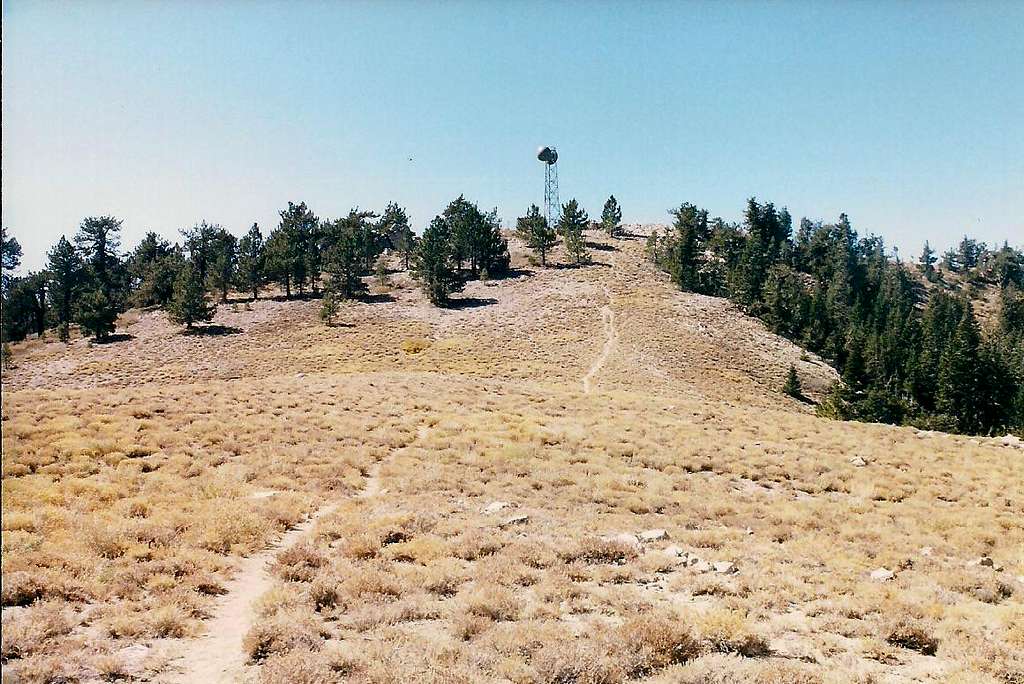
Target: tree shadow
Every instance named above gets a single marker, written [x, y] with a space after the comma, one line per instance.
[304, 297]
[626, 235]
[601, 247]
[511, 273]
[114, 339]
[339, 324]
[379, 298]
[212, 331]
[470, 302]
[585, 264]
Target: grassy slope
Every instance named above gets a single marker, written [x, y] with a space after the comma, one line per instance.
[134, 473]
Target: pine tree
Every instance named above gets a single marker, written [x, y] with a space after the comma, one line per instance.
[152, 267]
[250, 274]
[346, 255]
[188, 305]
[200, 242]
[611, 217]
[958, 374]
[380, 270]
[792, 385]
[98, 238]
[299, 260]
[434, 263]
[66, 275]
[328, 308]
[96, 313]
[278, 260]
[395, 224]
[927, 261]
[534, 231]
[222, 267]
[571, 224]
[10, 258]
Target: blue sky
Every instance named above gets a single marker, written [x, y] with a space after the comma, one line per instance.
[908, 116]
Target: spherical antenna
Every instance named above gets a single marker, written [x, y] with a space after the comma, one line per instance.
[548, 155]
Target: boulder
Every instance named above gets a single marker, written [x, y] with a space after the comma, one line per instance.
[985, 562]
[623, 538]
[882, 575]
[495, 506]
[926, 550]
[653, 535]
[700, 565]
[673, 550]
[520, 519]
[858, 462]
[725, 567]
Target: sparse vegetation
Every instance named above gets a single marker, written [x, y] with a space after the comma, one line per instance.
[493, 521]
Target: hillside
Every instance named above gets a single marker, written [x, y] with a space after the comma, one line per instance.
[575, 475]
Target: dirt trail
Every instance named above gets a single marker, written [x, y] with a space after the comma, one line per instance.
[612, 338]
[217, 656]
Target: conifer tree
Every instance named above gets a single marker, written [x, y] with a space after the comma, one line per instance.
[278, 260]
[250, 274]
[346, 254]
[10, 258]
[792, 385]
[66, 274]
[958, 390]
[96, 313]
[611, 217]
[571, 224]
[200, 241]
[152, 267]
[301, 259]
[328, 308]
[99, 238]
[534, 231]
[927, 262]
[396, 226]
[222, 267]
[381, 272]
[188, 305]
[434, 263]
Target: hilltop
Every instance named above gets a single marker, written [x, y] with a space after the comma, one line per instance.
[572, 475]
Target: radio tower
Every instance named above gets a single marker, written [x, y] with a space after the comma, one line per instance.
[552, 208]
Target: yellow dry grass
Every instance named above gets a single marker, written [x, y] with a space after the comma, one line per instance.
[492, 540]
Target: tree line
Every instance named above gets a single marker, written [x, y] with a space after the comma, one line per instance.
[88, 281]
[905, 337]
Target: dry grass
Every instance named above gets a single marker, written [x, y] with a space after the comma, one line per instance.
[135, 474]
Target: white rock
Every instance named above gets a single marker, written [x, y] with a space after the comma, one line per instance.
[926, 550]
[725, 568]
[623, 538]
[673, 550]
[133, 658]
[653, 535]
[496, 506]
[1012, 441]
[701, 565]
[520, 519]
[858, 461]
[882, 575]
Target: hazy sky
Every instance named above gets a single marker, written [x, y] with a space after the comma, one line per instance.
[909, 116]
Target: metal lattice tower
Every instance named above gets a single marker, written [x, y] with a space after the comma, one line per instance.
[552, 208]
